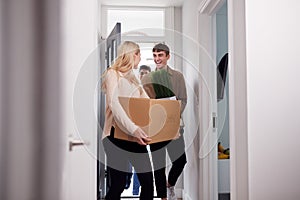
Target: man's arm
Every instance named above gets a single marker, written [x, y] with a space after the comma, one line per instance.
[182, 92]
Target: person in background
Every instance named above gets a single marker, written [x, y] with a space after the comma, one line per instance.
[143, 70]
[176, 148]
[120, 80]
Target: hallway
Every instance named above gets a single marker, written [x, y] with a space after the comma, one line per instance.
[52, 55]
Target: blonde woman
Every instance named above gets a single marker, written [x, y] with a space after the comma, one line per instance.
[119, 80]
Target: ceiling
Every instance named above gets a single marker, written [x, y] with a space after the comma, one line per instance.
[148, 3]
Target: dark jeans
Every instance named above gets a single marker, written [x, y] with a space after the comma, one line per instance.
[176, 151]
[119, 153]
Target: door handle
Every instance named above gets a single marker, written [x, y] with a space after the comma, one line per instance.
[74, 143]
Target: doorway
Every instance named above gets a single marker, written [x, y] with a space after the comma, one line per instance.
[213, 39]
[223, 163]
[146, 38]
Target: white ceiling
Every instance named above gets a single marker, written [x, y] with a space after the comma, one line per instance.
[148, 3]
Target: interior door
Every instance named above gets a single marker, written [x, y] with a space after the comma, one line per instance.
[79, 72]
[111, 44]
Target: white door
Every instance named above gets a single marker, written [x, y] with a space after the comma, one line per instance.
[79, 41]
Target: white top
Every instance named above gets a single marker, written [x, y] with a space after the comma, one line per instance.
[117, 85]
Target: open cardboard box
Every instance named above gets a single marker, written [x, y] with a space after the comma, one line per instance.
[159, 118]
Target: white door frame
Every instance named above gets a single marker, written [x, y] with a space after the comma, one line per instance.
[238, 129]
[208, 132]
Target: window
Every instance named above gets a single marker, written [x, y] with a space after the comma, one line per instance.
[143, 25]
[144, 21]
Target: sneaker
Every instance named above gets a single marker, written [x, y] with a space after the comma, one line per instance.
[171, 193]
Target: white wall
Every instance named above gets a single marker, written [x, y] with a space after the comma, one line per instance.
[190, 69]
[273, 109]
[273, 68]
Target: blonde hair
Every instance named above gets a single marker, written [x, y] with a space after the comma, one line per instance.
[124, 62]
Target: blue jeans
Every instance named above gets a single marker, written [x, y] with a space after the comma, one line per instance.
[136, 184]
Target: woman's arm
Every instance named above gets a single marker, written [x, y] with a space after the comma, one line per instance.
[112, 94]
[120, 116]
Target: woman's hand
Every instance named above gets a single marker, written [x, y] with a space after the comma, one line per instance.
[141, 137]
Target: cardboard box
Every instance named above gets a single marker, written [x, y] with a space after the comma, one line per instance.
[159, 118]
